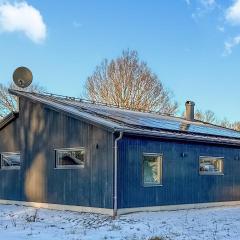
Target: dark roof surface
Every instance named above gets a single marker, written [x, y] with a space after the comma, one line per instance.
[137, 122]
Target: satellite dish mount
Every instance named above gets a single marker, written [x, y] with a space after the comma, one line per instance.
[22, 77]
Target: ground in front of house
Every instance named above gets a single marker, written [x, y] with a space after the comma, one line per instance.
[17, 222]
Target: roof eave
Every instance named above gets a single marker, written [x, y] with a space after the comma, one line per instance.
[8, 119]
[184, 137]
[73, 112]
[113, 127]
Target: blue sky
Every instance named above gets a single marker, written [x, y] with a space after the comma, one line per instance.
[192, 45]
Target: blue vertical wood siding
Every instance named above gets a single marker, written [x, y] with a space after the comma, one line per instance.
[10, 180]
[39, 130]
[36, 133]
[182, 183]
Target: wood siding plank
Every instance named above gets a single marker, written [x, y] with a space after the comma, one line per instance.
[182, 183]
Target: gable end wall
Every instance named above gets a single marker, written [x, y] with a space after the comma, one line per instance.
[40, 130]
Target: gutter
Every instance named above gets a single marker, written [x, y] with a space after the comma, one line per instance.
[186, 137]
[116, 173]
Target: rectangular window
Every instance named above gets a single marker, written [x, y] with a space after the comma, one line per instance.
[152, 169]
[10, 160]
[70, 157]
[211, 165]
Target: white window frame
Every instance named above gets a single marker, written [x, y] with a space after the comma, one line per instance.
[58, 166]
[2, 167]
[146, 154]
[211, 173]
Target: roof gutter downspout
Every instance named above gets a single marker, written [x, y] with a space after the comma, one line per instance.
[116, 173]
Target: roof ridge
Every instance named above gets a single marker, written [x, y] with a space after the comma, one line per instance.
[78, 99]
[87, 101]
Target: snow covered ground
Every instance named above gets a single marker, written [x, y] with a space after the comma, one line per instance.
[17, 222]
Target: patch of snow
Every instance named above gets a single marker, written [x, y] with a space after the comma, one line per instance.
[18, 222]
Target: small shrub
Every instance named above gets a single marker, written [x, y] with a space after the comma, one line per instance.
[32, 218]
[13, 220]
[14, 223]
[157, 238]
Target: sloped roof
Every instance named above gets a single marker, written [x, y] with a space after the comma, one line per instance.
[9, 118]
[144, 123]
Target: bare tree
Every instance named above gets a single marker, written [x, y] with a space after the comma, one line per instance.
[228, 124]
[127, 82]
[8, 102]
[210, 117]
[236, 126]
[225, 123]
[207, 116]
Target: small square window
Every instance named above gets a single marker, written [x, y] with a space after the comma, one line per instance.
[211, 165]
[70, 158]
[10, 160]
[152, 169]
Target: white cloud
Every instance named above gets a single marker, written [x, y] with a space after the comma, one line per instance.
[21, 17]
[233, 13]
[229, 45]
[202, 8]
[208, 3]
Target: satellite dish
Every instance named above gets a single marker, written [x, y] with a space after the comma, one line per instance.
[22, 77]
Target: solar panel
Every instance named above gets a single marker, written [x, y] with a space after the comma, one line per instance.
[146, 120]
[152, 120]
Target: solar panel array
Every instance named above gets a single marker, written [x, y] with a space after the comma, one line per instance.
[152, 121]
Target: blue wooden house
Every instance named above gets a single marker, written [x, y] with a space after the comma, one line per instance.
[65, 153]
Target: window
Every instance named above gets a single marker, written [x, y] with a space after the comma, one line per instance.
[152, 169]
[70, 158]
[10, 160]
[211, 165]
